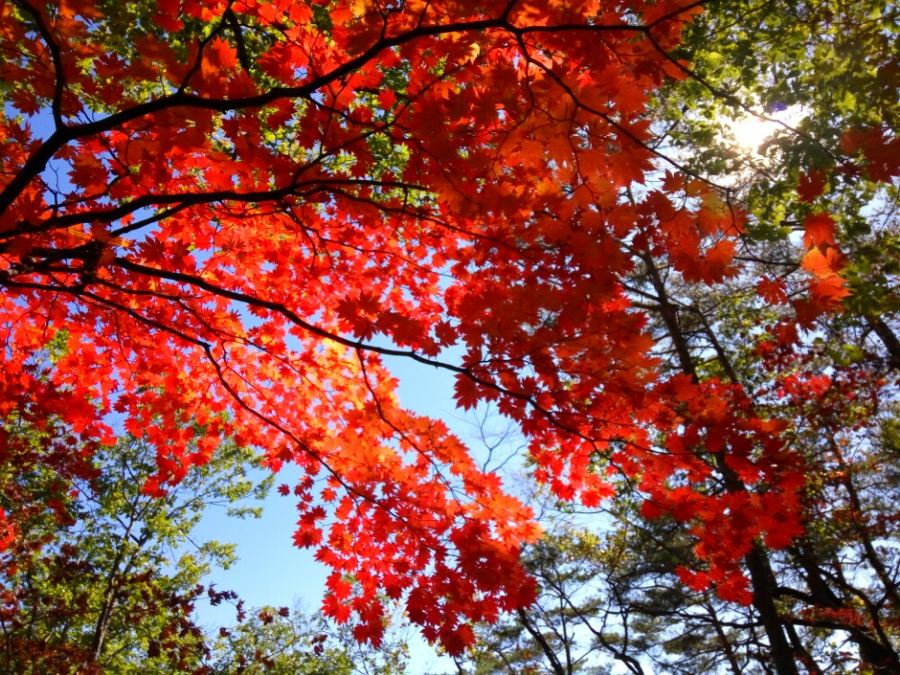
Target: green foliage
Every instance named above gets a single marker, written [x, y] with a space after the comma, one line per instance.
[274, 641]
[111, 576]
[834, 65]
[279, 641]
[105, 578]
[613, 598]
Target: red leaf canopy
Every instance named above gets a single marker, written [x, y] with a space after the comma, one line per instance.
[228, 211]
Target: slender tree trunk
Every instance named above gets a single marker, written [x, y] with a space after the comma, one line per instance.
[545, 647]
[112, 586]
[890, 587]
[761, 577]
[800, 649]
[669, 315]
[724, 641]
[888, 338]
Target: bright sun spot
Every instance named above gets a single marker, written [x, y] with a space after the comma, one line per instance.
[750, 132]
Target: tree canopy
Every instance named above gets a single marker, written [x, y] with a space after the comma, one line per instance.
[217, 217]
[103, 577]
[609, 578]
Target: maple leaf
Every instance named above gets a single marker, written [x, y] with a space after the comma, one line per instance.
[167, 15]
[772, 290]
[879, 148]
[829, 291]
[818, 229]
[466, 392]
[823, 264]
[811, 185]
[735, 588]
[89, 173]
[697, 581]
[456, 641]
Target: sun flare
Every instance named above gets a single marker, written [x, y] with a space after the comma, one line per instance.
[751, 131]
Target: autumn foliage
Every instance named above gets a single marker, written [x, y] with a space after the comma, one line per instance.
[217, 217]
